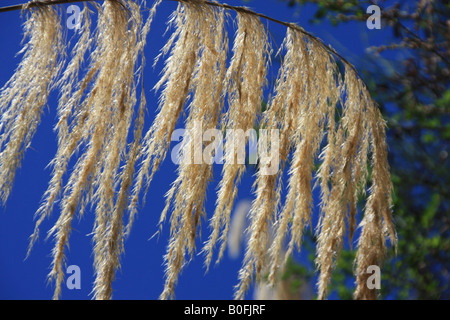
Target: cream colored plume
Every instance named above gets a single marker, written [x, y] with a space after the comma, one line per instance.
[24, 96]
[188, 192]
[331, 136]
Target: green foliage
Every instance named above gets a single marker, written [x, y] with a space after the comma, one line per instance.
[296, 274]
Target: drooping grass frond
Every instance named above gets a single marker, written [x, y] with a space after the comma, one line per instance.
[324, 127]
[377, 222]
[178, 72]
[111, 236]
[68, 102]
[25, 95]
[245, 81]
[340, 198]
[106, 111]
[305, 92]
[96, 113]
[343, 172]
[195, 171]
[313, 87]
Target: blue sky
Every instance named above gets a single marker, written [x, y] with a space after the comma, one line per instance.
[141, 276]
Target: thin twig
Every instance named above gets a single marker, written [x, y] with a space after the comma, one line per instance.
[238, 9]
[286, 24]
[39, 3]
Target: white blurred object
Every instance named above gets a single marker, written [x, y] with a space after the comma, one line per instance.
[237, 228]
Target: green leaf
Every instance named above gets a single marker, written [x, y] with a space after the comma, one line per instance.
[431, 210]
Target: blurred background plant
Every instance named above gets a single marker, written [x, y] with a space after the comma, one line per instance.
[409, 77]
